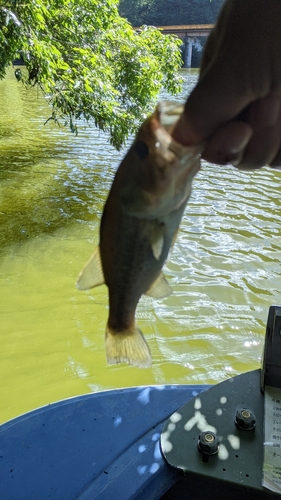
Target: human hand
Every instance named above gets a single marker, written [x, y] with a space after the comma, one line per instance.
[235, 108]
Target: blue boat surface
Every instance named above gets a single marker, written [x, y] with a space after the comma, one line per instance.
[95, 446]
[108, 444]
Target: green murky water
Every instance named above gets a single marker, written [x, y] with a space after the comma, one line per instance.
[224, 269]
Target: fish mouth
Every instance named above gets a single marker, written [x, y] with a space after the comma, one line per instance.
[169, 113]
[195, 167]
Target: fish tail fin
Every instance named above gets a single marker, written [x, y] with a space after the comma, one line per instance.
[128, 346]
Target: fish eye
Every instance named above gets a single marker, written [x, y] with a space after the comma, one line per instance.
[141, 149]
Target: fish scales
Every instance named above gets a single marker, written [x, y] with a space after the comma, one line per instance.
[135, 264]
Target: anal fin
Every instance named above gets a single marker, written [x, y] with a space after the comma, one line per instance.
[160, 288]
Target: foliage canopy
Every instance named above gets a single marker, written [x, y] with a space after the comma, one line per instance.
[89, 61]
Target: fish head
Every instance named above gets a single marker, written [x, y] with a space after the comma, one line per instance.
[158, 171]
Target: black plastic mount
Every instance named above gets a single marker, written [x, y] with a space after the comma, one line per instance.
[271, 369]
[231, 412]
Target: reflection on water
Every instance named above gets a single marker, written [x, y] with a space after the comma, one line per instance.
[224, 269]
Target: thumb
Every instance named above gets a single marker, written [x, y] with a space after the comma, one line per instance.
[216, 100]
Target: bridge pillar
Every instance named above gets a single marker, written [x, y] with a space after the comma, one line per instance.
[188, 43]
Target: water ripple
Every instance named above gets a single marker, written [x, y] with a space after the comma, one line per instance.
[224, 268]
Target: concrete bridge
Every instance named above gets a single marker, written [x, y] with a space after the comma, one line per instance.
[192, 30]
[189, 34]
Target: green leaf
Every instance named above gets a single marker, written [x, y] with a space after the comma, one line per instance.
[89, 61]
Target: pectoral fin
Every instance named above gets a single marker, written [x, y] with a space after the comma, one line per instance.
[92, 274]
[157, 240]
[157, 247]
[160, 288]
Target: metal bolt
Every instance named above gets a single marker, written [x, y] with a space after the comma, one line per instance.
[208, 443]
[245, 419]
[209, 438]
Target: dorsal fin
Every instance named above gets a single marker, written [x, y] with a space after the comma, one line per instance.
[92, 273]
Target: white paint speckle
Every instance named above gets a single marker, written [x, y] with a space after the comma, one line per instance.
[157, 452]
[155, 436]
[197, 404]
[234, 441]
[223, 453]
[202, 423]
[154, 468]
[200, 420]
[142, 448]
[141, 469]
[143, 397]
[219, 412]
[166, 445]
[176, 417]
[223, 400]
[171, 427]
[190, 423]
[117, 421]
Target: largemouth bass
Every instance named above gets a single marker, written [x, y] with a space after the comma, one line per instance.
[139, 224]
